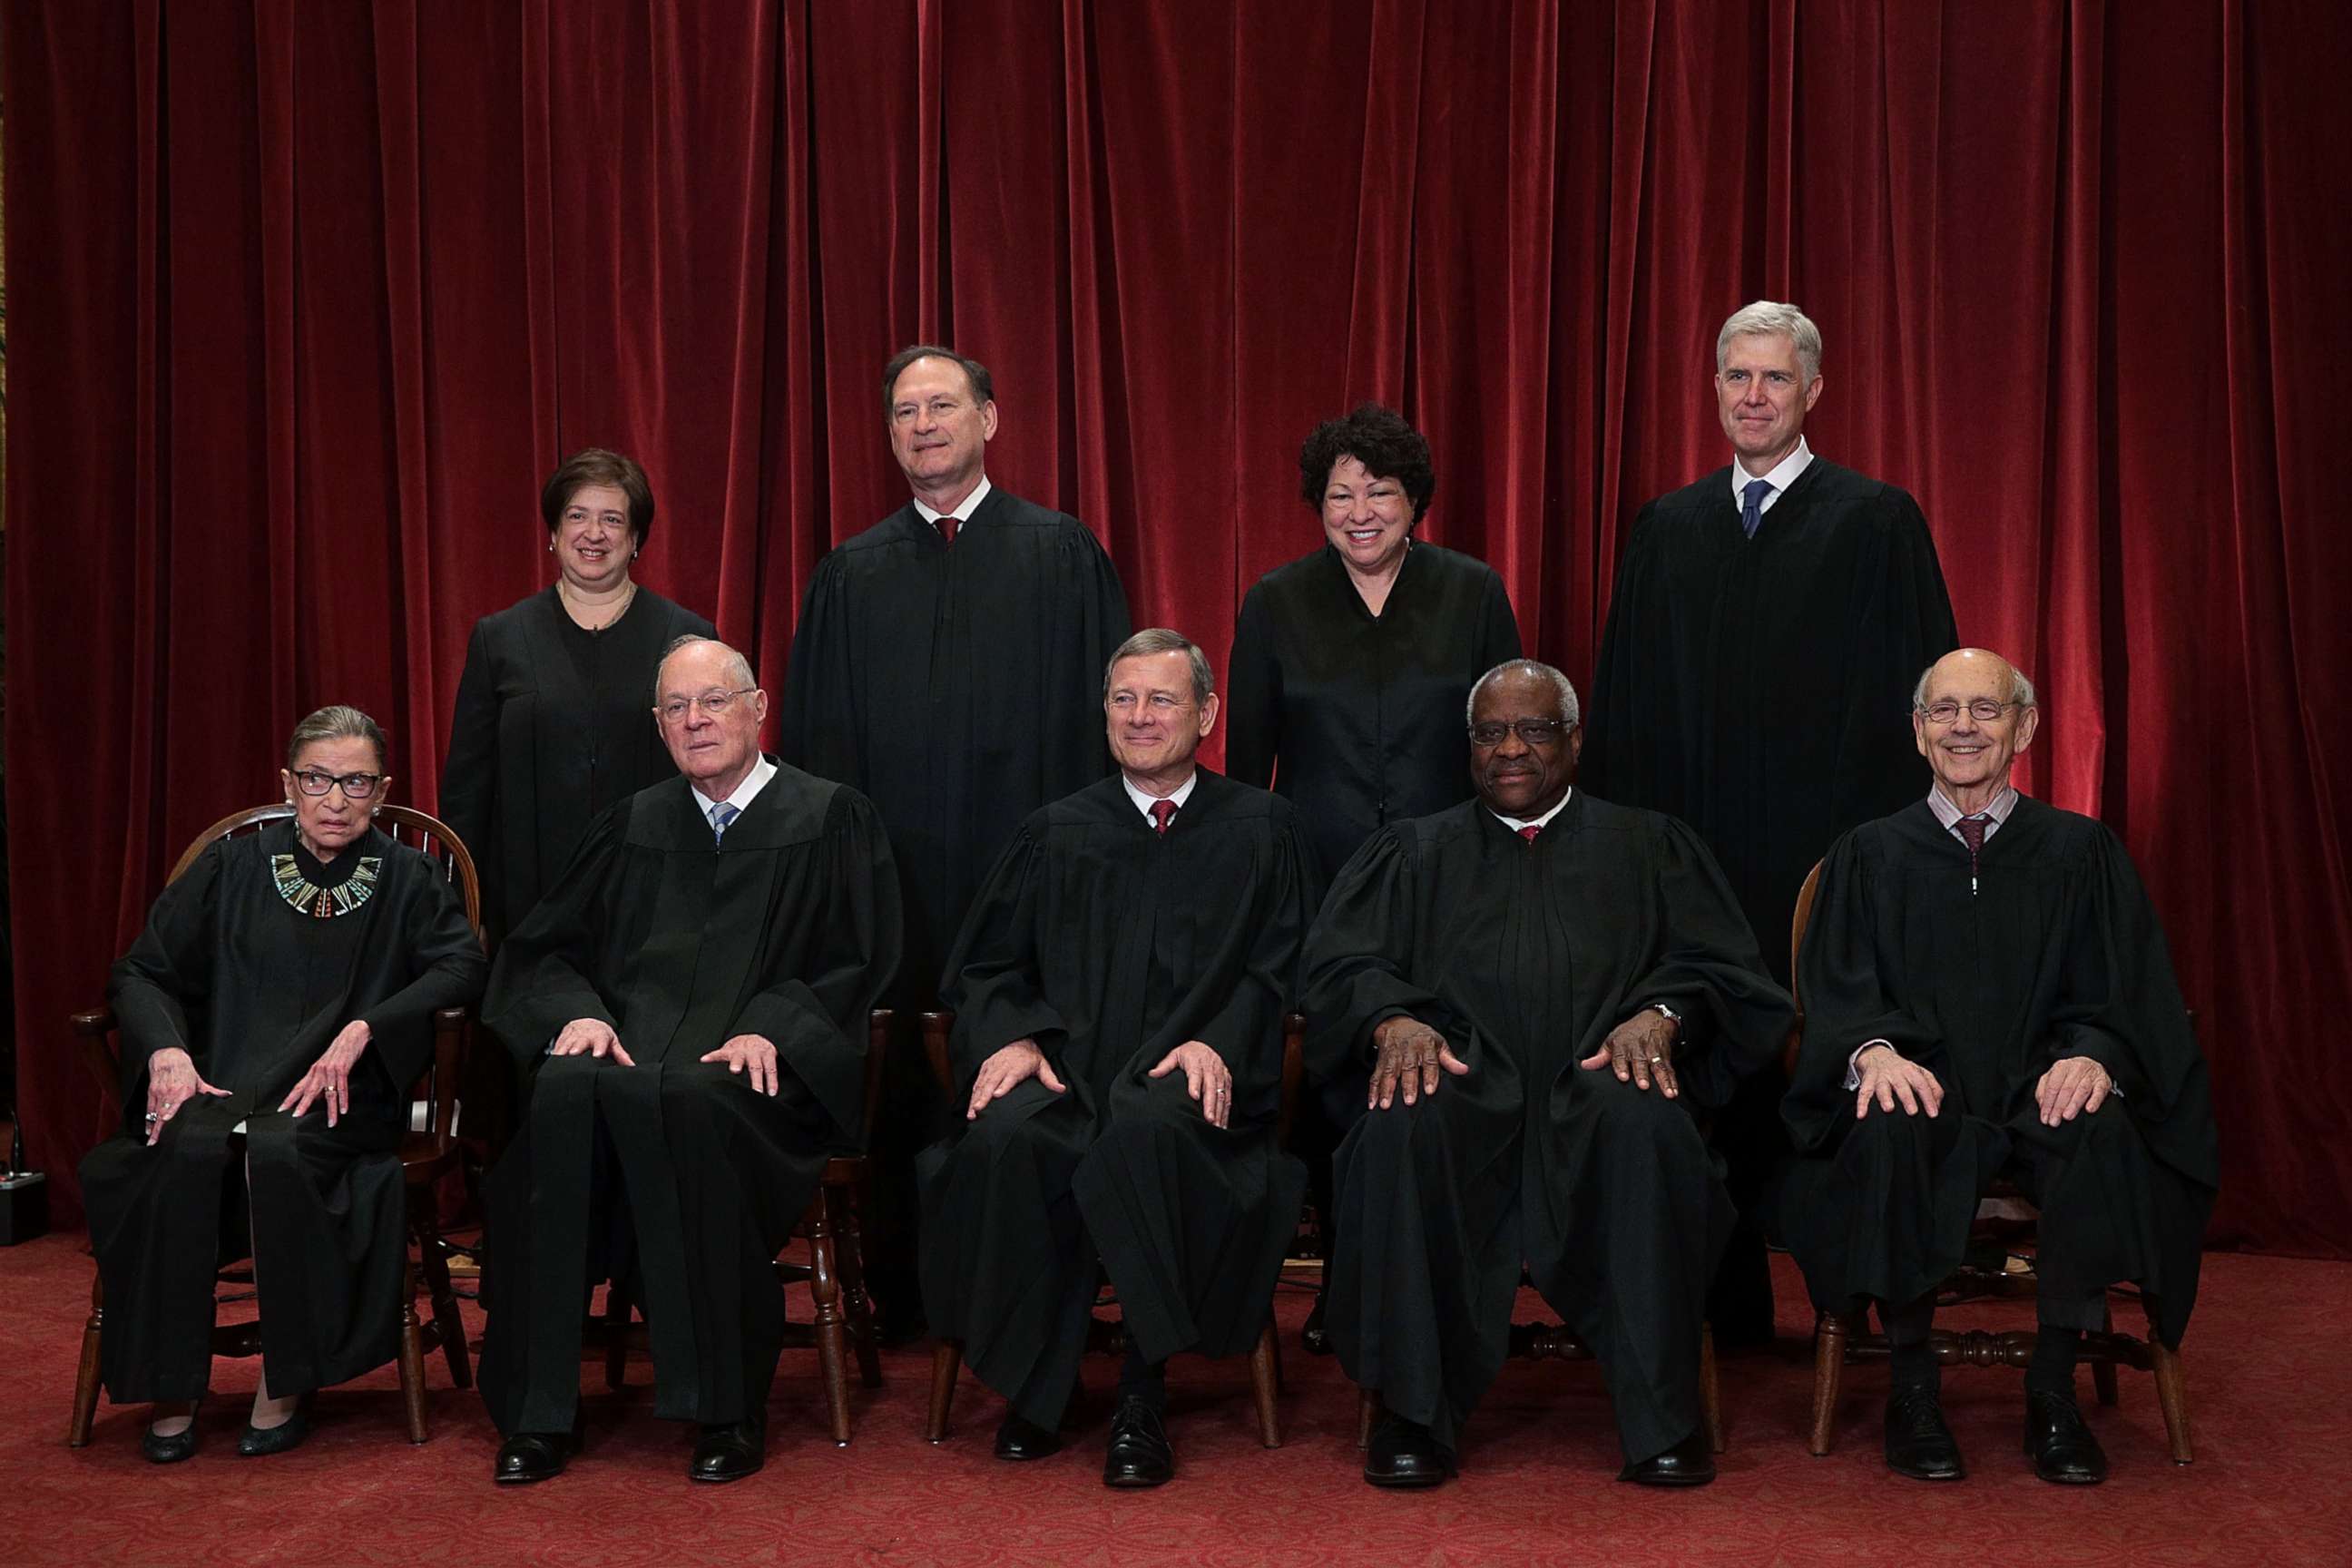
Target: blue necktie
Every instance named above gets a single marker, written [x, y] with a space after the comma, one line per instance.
[1752, 508]
[724, 813]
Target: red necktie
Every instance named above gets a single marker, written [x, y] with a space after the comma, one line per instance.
[1530, 830]
[1972, 830]
[947, 526]
[1163, 812]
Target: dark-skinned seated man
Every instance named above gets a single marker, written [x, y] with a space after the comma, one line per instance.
[1986, 993]
[1118, 990]
[688, 1007]
[1545, 986]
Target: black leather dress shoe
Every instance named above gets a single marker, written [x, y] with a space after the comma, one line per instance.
[731, 1452]
[1019, 1439]
[259, 1442]
[1918, 1443]
[1141, 1453]
[1312, 1334]
[173, 1450]
[528, 1456]
[1405, 1454]
[1689, 1463]
[2059, 1441]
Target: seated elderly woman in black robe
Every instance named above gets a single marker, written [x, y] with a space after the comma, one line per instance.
[273, 1015]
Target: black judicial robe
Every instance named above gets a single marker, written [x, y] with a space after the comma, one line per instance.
[788, 930]
[958, 687]
[2055, 953]
[1525, 956]
[553, 723]
[255, 991]
[1110, 946]
[1757, 688]
[1364, 713]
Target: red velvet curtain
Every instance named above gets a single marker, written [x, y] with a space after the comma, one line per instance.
[307, 298]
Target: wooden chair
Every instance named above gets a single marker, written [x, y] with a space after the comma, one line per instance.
[1108, 1336]
[426, 1154]
[1998, 1266]
[836, 1270]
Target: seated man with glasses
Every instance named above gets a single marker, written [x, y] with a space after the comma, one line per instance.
[1987, 994]
[1118, 991]
[688, 1004]
[1544, 986]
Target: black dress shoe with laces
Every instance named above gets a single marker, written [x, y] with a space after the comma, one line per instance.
[1405, 1454]
[171, 1451]
[729, 1452]
[1141, 1453]
[1019, 1439]
[528, 1456]
[1918, 1443]
[1689, 1463]
[2059, 1441]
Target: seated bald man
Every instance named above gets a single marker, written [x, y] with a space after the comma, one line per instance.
[1118, 990]
[1986, 993]
[688, 1006]
[1543, 985]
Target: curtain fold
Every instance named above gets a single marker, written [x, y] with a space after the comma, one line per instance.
[308, 299]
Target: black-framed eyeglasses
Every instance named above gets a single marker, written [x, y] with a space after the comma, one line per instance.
[1984, 710]
[1534, 732]
[714, 703]
[355, 786]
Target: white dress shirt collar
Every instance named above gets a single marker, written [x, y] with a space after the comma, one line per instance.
[1950, 815]
[1179, 795]
[963, 508]
[1784, 474]
[745, 793]
[1516, 823]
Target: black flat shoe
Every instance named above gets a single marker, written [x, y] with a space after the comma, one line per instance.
[260, 1442]
[729, 1453]
[1405, 1454]
[1312, 1334]
[1918, 1443]
[173, 1450]
[1017, 1439]
[2058, 1441]
[1689, 1463]
[528, 1456]
[1141, 1454]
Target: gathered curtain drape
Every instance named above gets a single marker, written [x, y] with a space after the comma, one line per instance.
[308, 299]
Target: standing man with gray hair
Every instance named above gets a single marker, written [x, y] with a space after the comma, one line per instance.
[941, 666]
[1766, 624]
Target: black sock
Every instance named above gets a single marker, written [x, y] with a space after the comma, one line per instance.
[2051, 1370]
[1910, 1359]
[1144, 1380]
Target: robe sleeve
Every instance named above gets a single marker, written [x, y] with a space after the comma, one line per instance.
[1246, 1031]
[816, 1020]
[540, 982]
[816, 723]
[1905, 625]
[1352, 976]
[168, 973]
[1498, 629]
[1252, 696]
[446, 969]
[469, 772]
[1099, 600]
[1735, 1019]
[1610, 766]
[991, 983]
[1847, 999]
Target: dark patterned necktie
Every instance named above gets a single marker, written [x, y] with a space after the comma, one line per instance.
[1163, 812]
[1530, 830]
[1752, 508]
[1972, 831]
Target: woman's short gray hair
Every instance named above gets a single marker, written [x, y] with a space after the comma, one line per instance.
[1154, 640]
[338, 722]
[738, 668]
[1568, 710]
[1770, 318]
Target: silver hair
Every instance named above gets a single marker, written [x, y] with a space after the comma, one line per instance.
[738, 668]
[1568, 708]
[338, 722]
[2021, 690]
[1158, 641]
[1770, 318]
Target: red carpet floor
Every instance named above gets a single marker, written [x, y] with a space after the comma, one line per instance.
[2268, 1389]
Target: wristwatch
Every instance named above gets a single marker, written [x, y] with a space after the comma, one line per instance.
[1670, 1015]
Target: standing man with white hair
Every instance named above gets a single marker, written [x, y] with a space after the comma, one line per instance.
[1766, 627]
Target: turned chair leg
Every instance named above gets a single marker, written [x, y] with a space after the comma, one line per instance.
[2172, 1395]
[1710, 1393]
[1266, 1379]
[849, 1256]
[412, 1355]
[446, 1316]
[947, 1360]
[2103, 1368]
[1829, 1370]
[617, 1336]
[85, 1405]
[1368, 1411]
[832, 1329]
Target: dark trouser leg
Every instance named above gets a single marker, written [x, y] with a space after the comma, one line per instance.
[1754, 1144]
[910, 1117]
[544, 1201]
[2090, 1178]
[1887, 1217]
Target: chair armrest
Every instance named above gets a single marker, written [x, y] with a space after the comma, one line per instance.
[1795, 1043]
[1294, 1070]
[94, 1044]
[937, 1027]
